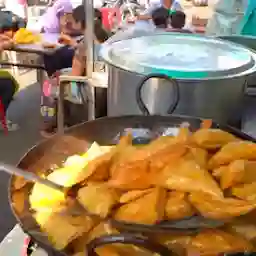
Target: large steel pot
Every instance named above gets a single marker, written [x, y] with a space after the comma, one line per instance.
[210, 76]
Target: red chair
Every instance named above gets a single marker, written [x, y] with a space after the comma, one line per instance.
[3, 117]
[111, 17]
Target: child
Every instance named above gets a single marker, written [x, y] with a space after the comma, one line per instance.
[160, 18]
[73, 112]
[178, 21]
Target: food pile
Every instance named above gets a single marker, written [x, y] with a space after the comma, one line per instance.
[24, 36]
[208, 172]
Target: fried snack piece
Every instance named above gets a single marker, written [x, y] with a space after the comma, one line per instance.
[250, 172]
[219, 171]
[188, 176]
[178, 243]
[158, 163]
[215, 242]
[199, 155]
[132, 166]
[19, 182]
[212, 138]
[59, 228]
[98, 198]
[232, 151]
[133, 195]
[233, 175]
[178, 206]
[243, 228]
[245, 191]
[148, 209]
[219, 208]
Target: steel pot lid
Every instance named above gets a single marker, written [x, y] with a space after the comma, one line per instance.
[180, 56]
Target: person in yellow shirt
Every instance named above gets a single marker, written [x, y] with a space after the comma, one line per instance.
[8, 85]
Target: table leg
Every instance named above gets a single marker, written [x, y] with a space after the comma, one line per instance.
[60, 109]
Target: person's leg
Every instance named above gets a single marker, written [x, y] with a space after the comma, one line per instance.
[7, 91]
[62, 58]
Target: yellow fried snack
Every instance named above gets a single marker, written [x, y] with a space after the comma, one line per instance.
[59, 228]
[219, 208]
[219, 171]
[199, 155]
[232, 151]
[243, 227]
[188, 176]
[178, 206]
[250, 172]
[97, 198]
[245, 191]
[212, 138]
[19, 182]
[24, 36]
[133, 195]
[148, 209]
[214, 242]
[178, 243]
[233, 175]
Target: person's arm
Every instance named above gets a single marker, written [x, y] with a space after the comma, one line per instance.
[5, 42]
[79, 61]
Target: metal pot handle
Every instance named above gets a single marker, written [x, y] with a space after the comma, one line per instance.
[127, 239]
[176, 90]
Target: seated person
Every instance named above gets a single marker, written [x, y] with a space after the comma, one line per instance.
[177, 22]
[79, 69]
[160, 18]
[170, 5]
[54, 17]
[8, 85]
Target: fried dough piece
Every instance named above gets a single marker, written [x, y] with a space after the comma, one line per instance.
[98, 199]
[59, 228]
[103, 228]
[243, 228]
[212, 138]
[188, 176]
[215, 242]
[131, 177]
[232, 151]
[245, 191]
[178, 206]
[148, 209]
[158, 163]
[219, 208]
[219, 171]
[133, 195]
[250, 172]
[177, 243]
[19, 182]
[233, 175]
[199, 155]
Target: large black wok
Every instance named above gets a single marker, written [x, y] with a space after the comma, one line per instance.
[51, 152]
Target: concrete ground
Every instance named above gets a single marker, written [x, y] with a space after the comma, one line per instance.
[25, 111]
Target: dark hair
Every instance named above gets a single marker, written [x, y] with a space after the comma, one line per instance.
[79, 15]
[178, 19]
[160, 17]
